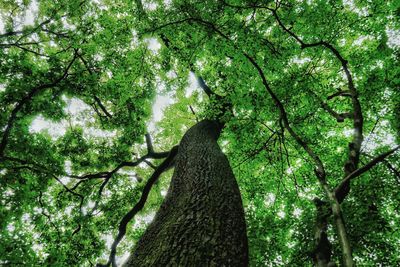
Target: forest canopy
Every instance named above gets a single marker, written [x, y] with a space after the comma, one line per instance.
[95, 93]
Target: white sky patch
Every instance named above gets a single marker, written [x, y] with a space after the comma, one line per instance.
[193, 85]
[149, 5]
[167, 3]
[11, 227]
[163, 193]
[135, 39]
[144, 220]
[297, 212]
[31, 13]
[374, 141]
[161, 102]
[66, 24]
[67, 166]
[80, 115]
[359, 41]
[37, 210]
[1, 24]
[281, 214]
[131, 174]
[88, 207]
[54, 129]
[353, 8]
[65, 180]
[2, 87]
[98, 133]
[153, 44]
[108, 239]
[348, 132]
[75, 106]
[68, 210]
[300, 61]
[171, 74]
[122, 259]
[100, 4]
[269, 199]
[8, 193]
[393, 37]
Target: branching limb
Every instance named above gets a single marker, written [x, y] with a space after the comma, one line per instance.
[25, 100]
[102, 107]
[70, 191]
[140, 204]
[47, 215]
[107, 175]
[339, 93]
[320, 170]
[151, 165]
[357, 115]
[338, 116]
[339, 191]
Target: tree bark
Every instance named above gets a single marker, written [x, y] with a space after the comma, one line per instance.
[201, 221]
[323, 247]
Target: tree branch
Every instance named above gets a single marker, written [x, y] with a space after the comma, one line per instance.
[140, 204]
[339, 191]
[339, 93]
[25, 100]
[355, 145]
[320, 170]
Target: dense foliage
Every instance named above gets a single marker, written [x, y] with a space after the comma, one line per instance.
[77, 84]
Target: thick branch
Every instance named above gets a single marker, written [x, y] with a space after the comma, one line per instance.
[338, 116]
[339, 191]
[340, 93]
[102, 107]
[149, 143]
[204, 86]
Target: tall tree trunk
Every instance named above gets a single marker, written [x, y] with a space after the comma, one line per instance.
[201, 221]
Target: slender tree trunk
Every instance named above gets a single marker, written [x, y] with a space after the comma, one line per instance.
[201, 221]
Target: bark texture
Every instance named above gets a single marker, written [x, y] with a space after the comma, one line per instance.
[323, 247]
[201, 221]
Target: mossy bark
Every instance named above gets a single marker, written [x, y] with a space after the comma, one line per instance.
[201, 221]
